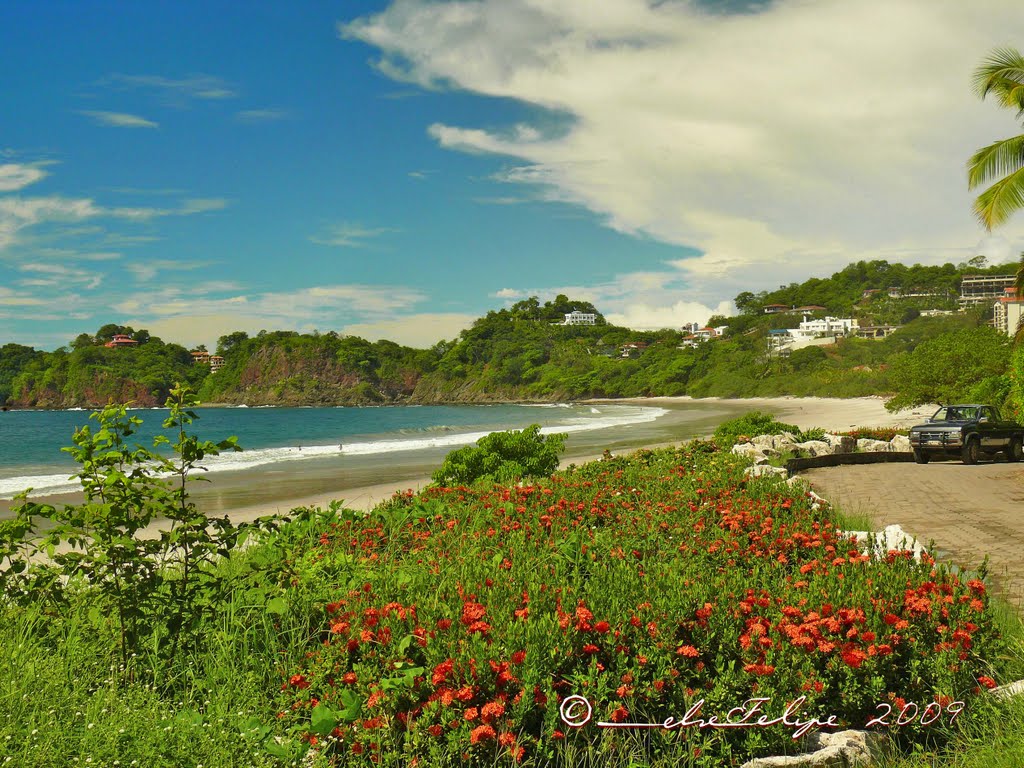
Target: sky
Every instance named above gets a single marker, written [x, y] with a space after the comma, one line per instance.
[397, 169]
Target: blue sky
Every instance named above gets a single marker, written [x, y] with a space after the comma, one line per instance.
[396, 169]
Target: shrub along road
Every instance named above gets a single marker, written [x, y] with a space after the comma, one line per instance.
[968, 511]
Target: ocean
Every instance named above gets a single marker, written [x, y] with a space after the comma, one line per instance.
[288, 452]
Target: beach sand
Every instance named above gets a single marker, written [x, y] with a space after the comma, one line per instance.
[244, 496]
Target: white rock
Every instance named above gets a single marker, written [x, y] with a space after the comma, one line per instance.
[873, 446]
[763, 470]
[815, 448]
[1009, 691]
[840, 443]
[830, 750]
[780, 443]
[748, 450]
[900, 443]
[891, 538]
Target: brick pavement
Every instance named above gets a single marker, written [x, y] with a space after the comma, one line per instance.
[968, 511]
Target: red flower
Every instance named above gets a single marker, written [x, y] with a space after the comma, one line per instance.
[441, 672]
[472, 612]
[435, 730]
[761, 670]
[854, 657]
[688, 650]
[519, 657]
[620, 714]
[349, 678]
[298, 681]
[492, 711]
[481, 733]
[988, 682]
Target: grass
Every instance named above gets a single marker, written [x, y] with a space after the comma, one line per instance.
[65, 701]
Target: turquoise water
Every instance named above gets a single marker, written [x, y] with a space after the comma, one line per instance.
[30, 441]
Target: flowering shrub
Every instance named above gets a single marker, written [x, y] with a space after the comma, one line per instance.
[455, 623]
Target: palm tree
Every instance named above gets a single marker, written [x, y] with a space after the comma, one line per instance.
[1002, 75]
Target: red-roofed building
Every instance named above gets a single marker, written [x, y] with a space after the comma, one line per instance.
[121, 340]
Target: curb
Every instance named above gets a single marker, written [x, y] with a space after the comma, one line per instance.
[838, 459]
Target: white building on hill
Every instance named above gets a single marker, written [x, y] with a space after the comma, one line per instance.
[580, 318]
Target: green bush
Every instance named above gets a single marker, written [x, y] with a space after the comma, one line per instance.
[503, 457]
[750, 424]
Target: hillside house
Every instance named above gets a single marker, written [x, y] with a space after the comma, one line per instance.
[984, 289]
[121, 340]
[775, 309]
[580, 318]
[1008, 312]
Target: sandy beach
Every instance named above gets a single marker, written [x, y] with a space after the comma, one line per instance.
[805, 412]
[245, 496]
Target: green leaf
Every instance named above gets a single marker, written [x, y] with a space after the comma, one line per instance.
[323, 720]
[277, 606]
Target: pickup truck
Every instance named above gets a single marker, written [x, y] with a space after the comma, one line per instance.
[967, 431]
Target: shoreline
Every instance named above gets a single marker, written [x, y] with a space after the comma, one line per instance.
[836, 414]
[248, 494]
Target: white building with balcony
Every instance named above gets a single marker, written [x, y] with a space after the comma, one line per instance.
[580, 318]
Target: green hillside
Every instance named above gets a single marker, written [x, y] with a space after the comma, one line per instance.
[525, 353]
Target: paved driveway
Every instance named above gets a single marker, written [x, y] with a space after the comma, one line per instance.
[969, 511]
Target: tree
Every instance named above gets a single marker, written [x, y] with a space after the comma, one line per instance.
[969, 364]
[231, 340]
[1002, 75]
[746, 302]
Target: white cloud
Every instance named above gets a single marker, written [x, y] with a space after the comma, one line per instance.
[174, 90]
[119, 119]
[195, 315]
[348, 235]
[783, 142]
[420, 330]
[20, 213]
[9, 298]
[638, 300]
[262, 115]
[145, 270]
[15, 176]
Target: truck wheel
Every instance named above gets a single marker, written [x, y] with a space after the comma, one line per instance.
[971, 451]
[920, 456]
[1015, 450]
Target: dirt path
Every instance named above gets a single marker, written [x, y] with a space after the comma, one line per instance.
[968, 511]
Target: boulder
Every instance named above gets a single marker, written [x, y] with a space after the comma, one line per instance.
[892, 537]
[830, 750]
[840, 443]
[752, 452]
[779, 443]
[900, 443]
[1009, 691]
[873, 446]
[814, 448]
[763, 470]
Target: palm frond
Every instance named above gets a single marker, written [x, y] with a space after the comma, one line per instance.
[1001, 74]
[999, 201]
[995, 160]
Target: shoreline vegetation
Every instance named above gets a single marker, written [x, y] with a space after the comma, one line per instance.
[445, 626]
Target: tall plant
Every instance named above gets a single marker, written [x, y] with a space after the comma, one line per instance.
[1002, 162]
[158, 589]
